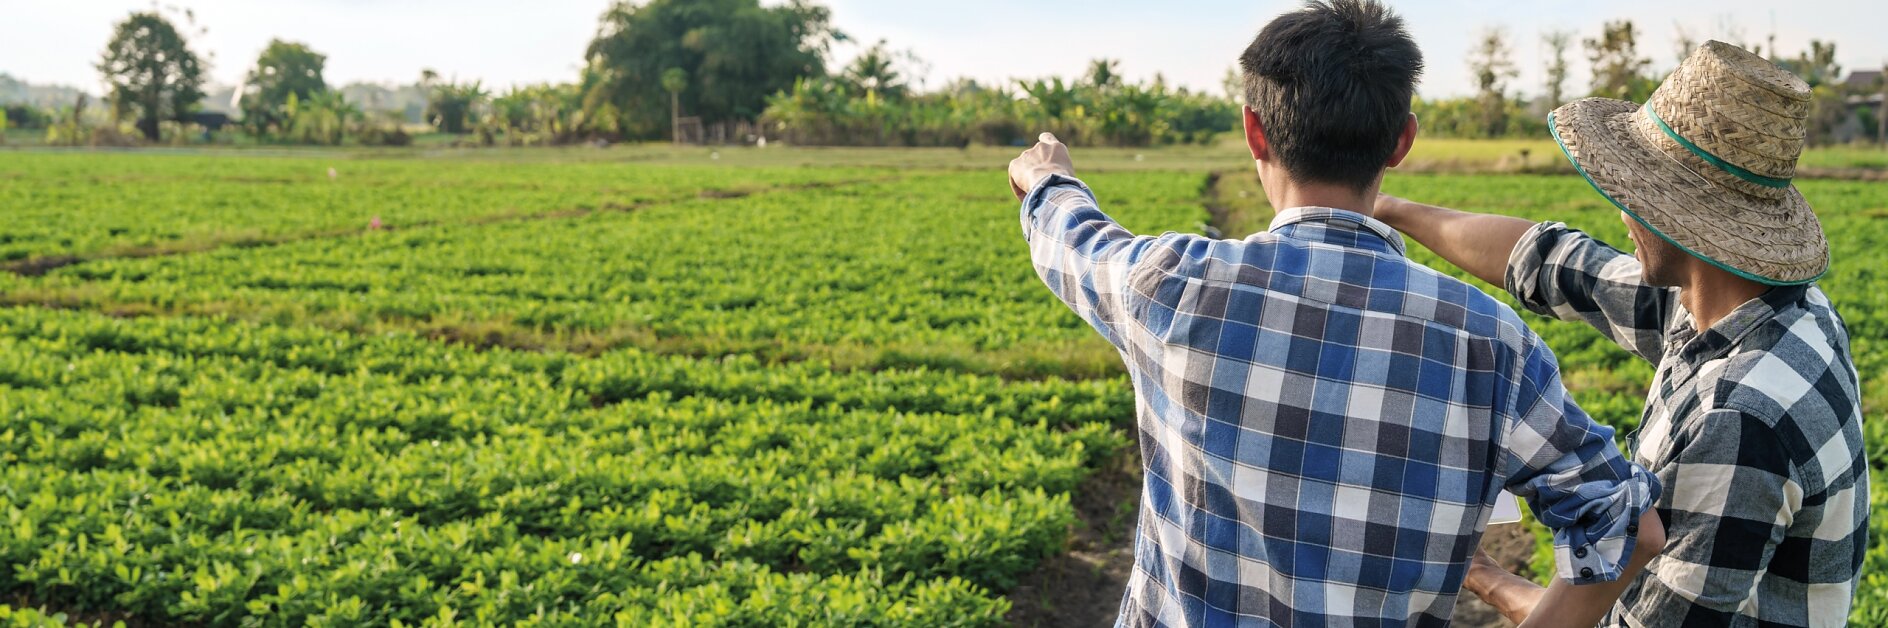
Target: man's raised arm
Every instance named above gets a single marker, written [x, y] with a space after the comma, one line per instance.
[1083, 256]
[1478, 243]
[1553, 270]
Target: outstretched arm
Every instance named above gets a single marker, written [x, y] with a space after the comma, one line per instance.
[1078, 251]
[1552, 270]
[1478, 243]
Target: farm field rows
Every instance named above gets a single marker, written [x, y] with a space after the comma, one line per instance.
[192, 470]
[104, 205]
[921, 270]
[646, 393]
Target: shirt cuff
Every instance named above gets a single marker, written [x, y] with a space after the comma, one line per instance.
[1598, 547]
[1040, 193]
[1526, 262]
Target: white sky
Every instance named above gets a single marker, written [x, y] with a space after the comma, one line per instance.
[1192, 42]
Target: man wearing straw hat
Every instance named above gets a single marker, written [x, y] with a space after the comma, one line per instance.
[1753, 425]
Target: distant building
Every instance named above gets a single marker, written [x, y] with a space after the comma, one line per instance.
[1863, 81]
[211, 121]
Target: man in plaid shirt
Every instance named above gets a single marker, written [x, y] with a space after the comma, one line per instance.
[1325, 424]
[1753, 425]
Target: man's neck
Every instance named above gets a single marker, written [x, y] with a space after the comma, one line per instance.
[1710, 294]
[1285, 194]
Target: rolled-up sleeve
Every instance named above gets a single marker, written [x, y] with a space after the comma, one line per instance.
[1083, 255]
[1573, 477]
[1560, 272]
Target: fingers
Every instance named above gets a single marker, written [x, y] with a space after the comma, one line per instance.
[1048, 156]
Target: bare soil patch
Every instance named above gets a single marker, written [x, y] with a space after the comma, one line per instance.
[1083, 587]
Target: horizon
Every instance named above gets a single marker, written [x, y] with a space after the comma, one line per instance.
[56, 44]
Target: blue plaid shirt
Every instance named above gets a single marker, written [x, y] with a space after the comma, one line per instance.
[1325, 424]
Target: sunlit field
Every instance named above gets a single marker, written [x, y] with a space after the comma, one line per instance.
[641, 384]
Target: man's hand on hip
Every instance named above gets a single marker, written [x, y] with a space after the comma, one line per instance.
[1047, 157]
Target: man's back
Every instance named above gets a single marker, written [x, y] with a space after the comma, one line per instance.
[1324, 423]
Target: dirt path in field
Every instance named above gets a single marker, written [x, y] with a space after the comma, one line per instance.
[1235, 203]
[1083, 587]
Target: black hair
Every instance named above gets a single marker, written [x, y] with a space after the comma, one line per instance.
[1331, 86]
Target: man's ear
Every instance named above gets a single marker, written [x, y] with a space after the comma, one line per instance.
[1255, 136]
[1404, 141]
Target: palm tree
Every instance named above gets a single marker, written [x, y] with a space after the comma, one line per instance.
[674, 80]
[1104, 73]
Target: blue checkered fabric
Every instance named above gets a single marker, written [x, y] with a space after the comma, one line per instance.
[1325, 424]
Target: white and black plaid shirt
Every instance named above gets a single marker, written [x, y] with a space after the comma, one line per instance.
[1324, 423]
[1753, 427]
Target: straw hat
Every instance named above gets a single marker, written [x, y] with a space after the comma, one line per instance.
[1706, 163]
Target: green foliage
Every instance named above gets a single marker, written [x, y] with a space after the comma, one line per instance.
[1817, 65]
[323, 118]
[11, 617]
[1555, 67]
[876, 72]
[382, 129]
[1618, 70]
[22, 116]
[939, 278]
[151, 71]
[285, 72]
[92, 205]
[190, 470]
[850, 112]
[755, 422]
[735, 53]
[1482, 117]
[452, 106]
[1492, 66]
[1871, 596]
[537, 115]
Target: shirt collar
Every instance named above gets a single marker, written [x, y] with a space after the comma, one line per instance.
[1733, 327]
[1342, 219]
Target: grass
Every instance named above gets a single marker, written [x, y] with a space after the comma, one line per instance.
[1430, 154]
[1849, 156]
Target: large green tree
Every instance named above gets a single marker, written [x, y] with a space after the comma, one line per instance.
[736, 53]
[1556, 67]
[876, 71]
[284, 69]
[152, 73]
[1618, 70]
[452, 106]
[1490, 61]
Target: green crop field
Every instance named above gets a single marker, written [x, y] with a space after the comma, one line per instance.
[654, 387]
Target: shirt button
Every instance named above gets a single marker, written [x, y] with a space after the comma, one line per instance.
[1586, 572]
[1579, 552]
[1632, 528]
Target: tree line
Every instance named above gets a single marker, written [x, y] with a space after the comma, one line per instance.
[735, 70]
[1841, 110]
